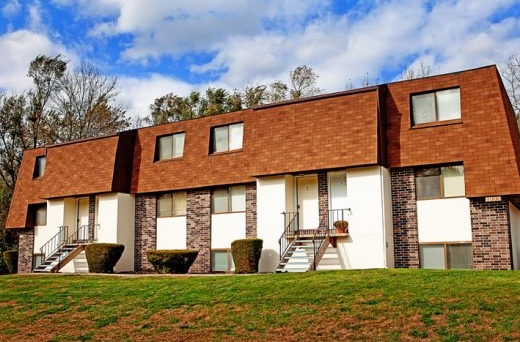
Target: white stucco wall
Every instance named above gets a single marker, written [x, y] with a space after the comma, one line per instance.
[367, 197]
[444, 220]
[226, 228]
[271, 202]
[171, 232]
[515, 234]
[42, 234]
[116, 225]
[388, 226]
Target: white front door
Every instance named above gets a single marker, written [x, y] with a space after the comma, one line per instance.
[307, 201]
[337, 196]
[82, 212]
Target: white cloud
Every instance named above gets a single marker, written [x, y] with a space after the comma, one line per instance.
[139, 93]
[19, 48]
[11, 8]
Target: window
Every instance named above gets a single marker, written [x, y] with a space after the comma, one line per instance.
[437, 106]
[446, 256]
[41, 216]
[172, 204]
[227, 138]
[230, 199]
[222, 261]
[439, 182]
[37, 260]
[39, 168]
[169, 146]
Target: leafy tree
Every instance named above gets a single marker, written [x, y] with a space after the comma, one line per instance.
[62, 105]
[303, 82]
[254, 95]
[277, 92]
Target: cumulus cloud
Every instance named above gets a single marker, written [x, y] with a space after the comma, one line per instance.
[11, 8]
[19, 48]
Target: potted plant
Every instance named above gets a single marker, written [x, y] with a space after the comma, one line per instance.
[341, 226]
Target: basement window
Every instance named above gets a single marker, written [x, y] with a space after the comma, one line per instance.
[222, 261]
[436, 106]
[227, 138]
[446, 256]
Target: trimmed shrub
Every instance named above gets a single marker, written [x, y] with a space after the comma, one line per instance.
[102, 257]
[11, 260]
[172, 260]
[246, 254]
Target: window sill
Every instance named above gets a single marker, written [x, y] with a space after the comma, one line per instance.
[171, 216]
[226, 152]
[228, 212]
[167, 160]
[437, 124]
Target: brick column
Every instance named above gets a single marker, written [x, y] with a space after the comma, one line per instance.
[198, 228]
[404, 211]
[323, 199]
[25, 250]
[251, 210]
[491, 235]
[145, 230]
[92, 217]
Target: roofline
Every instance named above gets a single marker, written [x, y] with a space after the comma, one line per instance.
[318, 97]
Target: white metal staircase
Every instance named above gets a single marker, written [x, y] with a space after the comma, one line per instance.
[64, 247]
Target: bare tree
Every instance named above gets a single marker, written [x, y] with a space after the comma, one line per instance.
[510, 72]
[303, 82]
[420, 70]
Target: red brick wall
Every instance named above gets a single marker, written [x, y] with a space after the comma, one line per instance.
[198, 225]
[251, 231]
[145, 230]
[25, 250]
[404, 211]
[491, 235]
[323, 199]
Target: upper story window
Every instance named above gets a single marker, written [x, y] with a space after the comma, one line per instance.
[39, 168]
[169, 146]
[436, 106]
[439, 182]
[227, 138]
[229, 199]
[41, 216]
[172, 204]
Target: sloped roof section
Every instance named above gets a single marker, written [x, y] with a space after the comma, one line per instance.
[78, 168]
[325, 132]
[485, 139]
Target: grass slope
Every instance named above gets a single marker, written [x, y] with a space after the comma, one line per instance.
[373, 305]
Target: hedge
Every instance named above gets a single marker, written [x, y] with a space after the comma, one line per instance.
[11, 260]
[102, 257]
[246, 254]
[172, 260]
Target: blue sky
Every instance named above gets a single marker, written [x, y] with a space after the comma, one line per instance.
[155, 46]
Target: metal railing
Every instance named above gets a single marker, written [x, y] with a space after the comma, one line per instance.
[320, 241]
[54, 243]
[83, 235]
[291, 228]
[338, 215]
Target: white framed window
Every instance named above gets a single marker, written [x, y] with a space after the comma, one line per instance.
[436, 106]
[228, 199]
[171, 204]
[227, 138]
[39, 168]
[222, 260]
[169, 146]
[446, 255]
[439, 182]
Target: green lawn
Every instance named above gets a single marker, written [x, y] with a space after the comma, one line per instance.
[373, 305]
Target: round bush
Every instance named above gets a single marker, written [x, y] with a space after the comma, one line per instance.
[102, 257]
[172, 260]
[11, 260]
[246, 254]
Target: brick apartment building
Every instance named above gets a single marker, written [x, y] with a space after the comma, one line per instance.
[425, 171]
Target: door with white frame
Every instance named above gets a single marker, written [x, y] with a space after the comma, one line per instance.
[338, 197]
[307, 201]
[82, 231]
